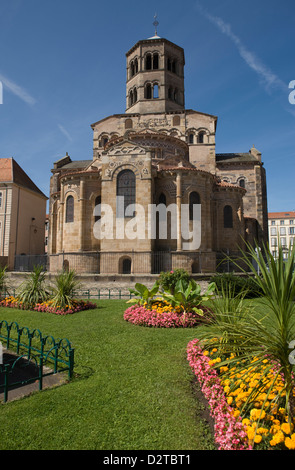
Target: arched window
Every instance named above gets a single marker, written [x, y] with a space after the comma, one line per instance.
[162, 199]
[155, 61]
[156, 91]
[98, 210]
[135, 66]
[242, 183]
[228, 217]
[191, 138]
[134, 95]
[148, 91]
[130, 98]
[128, 124]
[201, 137]
[148, 62]
[70, 209]
[132, 68]
[176, 121]
[194, 198]
[126, 187]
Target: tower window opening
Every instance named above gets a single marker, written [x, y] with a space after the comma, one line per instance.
[148, 91]
[148, 62]
[201, 137]
[242, 183]
[156, 61]
[156, 91]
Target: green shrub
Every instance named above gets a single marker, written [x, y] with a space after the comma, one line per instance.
[238, 285]
[169, 279]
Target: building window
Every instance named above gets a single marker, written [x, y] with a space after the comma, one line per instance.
[242, 183]
[191, 138]
[282, 222]
[70, 209]
[98, 210]
[126, 187]
[176, 121]
[273, 231]
[194, 199]
[228, 217]
[156, 91]
[273, 222]
[283, 242]
[291, 230]
[148, 62]
[155, 61]
[128, 124]
[148, 91]
[291, 222]
[162, 199]
[201, 137]
[274, 242]
[283, 231]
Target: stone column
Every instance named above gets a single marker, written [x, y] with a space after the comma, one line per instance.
[81, 214]
[178, 204]
[61, 219]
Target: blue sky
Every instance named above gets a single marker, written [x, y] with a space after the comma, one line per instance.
[63, 67]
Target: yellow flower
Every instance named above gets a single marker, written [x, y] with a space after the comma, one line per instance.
[290, 442]
[257, 439]
[286, 428]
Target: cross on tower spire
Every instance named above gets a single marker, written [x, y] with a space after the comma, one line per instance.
[156, 23]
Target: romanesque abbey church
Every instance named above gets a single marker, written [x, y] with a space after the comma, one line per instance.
[156, 153]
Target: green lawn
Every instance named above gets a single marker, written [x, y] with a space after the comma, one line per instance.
[132, 388]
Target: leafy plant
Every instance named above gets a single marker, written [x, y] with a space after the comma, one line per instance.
[63, 292]
[271, 335]
[169, 279]
[33, 290]
[143, 294]
[3, 281]
[189, 297]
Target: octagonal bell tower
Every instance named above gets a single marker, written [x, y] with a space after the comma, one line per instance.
[155, 77]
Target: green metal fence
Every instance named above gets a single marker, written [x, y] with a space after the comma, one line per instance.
[31, 346]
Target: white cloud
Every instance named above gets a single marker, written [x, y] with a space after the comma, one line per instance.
[65, 132]
[267, 77]
[17, 90]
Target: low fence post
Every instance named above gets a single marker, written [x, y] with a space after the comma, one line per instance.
[71, 363]
[6, 382]
[41, 373]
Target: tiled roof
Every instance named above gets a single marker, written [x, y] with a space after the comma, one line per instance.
[235, 157]
[11, 172]
[281, 215]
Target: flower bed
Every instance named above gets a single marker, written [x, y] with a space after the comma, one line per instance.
[162, 315]
[77, 306]
[264, 426]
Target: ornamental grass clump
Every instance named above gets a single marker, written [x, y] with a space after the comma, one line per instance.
[63, 292]
[33, 289]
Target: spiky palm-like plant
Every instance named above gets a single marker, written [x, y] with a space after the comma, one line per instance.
[64, 289]
[254, 338]
[33, 289]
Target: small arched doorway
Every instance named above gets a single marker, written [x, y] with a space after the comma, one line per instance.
[125, 265]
